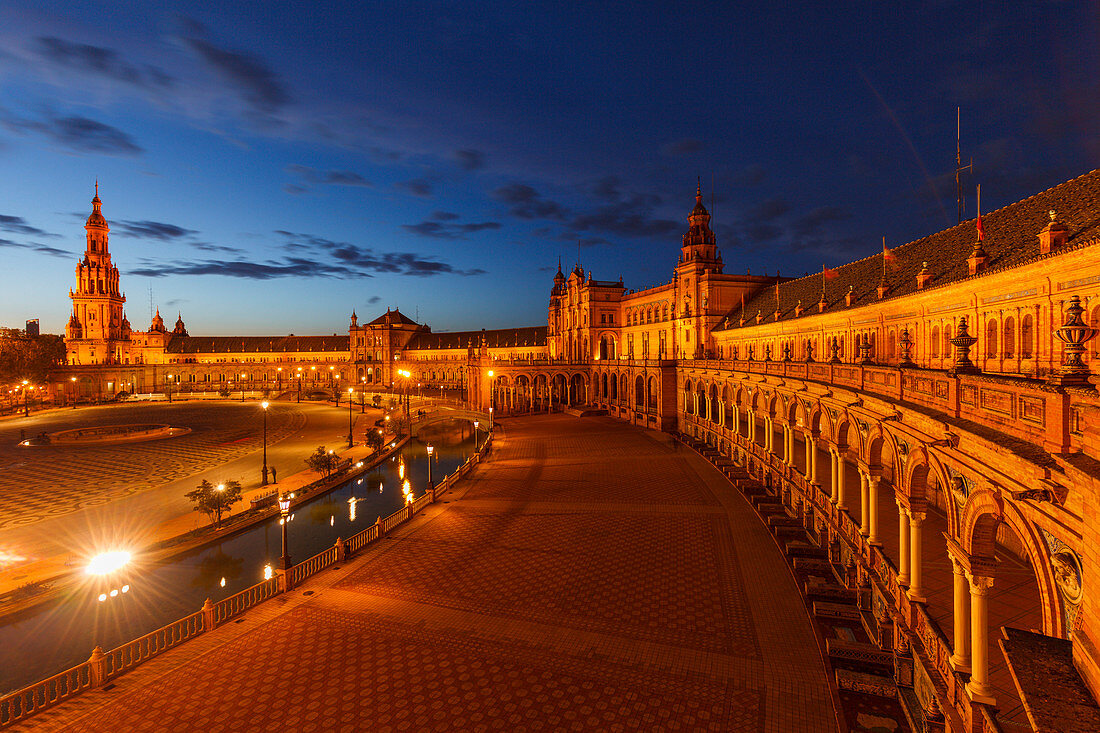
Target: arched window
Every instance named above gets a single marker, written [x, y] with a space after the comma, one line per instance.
[934, 343]
[947, 341]
[991, 339]
[1026, 345]
[1008, 343]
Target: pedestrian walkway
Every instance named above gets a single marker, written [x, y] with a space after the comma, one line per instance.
[589, 577]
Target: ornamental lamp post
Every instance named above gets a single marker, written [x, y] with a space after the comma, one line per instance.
[284, 510]
[475, 435]
[299, 384]
[491, 398]
[351, 404]
[279, 379]
[169, 385]
[243, 375]
[430, 450]
[26, 405]
[263, 472]
[73, 380]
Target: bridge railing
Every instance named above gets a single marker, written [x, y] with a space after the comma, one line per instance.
[103, 666]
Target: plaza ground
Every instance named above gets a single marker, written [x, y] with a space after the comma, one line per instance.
[591, 576]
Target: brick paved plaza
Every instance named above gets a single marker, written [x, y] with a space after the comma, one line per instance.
[589, 577]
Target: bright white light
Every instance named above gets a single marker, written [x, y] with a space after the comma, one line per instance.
[108, 562]
[125, 589]
[114, 592]
[267, 572]
[223, 582]
[102, 597]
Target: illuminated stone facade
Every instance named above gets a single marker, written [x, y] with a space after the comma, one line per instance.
[913, 409]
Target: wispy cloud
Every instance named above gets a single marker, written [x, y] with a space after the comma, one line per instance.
[683, 146]
[102, 61]
[36, 247]
[524, 202]
[152, 230]
[469, 159]
[421, 187]
[444, 225]
[19, 225]
[312, 256]
[77, 133]
[327, 177]
[260, 86]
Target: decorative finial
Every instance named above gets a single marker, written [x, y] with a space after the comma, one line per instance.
[1053, 216]
[97, 189]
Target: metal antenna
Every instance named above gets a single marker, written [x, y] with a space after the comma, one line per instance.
[959, 167]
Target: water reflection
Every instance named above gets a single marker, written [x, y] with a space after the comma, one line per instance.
[215, 569]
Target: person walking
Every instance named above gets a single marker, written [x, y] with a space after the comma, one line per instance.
[273, 479]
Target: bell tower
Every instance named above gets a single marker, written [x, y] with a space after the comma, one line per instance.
[95, 331]
[699, 251]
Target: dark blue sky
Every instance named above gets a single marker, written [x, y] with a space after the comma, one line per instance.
[266, 168]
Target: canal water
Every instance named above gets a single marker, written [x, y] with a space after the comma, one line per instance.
[62, 633]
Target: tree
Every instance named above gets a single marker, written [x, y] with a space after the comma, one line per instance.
[214, 501]
[374, 438]
[322, 461]
[29, 357]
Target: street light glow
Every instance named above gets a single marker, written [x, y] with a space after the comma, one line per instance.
[107, 562]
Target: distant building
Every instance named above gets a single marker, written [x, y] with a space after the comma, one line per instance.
[32, 328]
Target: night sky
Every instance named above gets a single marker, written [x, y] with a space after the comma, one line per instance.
[266, 168]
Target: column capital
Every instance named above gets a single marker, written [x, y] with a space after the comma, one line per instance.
[980, 585]
[916, 518]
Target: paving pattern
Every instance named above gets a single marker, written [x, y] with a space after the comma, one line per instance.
[587, 578]
[50, 481]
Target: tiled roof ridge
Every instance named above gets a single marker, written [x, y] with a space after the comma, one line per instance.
[899, 247]
[836, 297]
[1003, 268]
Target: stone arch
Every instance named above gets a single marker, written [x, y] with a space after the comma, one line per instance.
[983, 513]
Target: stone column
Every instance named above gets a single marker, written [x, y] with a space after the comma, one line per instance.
[790, 446]
[815, 475]
[960, 660]
[841, 488]
[903, 545]
[978, 688]
[809, 445]
[751, 431]
[832, 476]
[737, 419]
[864, 504]
[916, 587]
[873, 485]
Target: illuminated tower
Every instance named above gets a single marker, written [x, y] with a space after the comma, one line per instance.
[95, 334]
